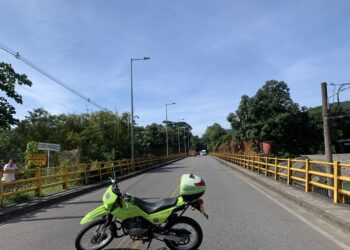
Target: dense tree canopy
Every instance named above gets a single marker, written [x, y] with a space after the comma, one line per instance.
[271, 115]
[101, 136]
[8, 80]
[212, 136]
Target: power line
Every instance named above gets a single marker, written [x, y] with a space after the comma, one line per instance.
[342, 87]
[29, 63]
[42, 96]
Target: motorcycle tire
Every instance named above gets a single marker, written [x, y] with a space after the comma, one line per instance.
[196, 229]
[96, 241]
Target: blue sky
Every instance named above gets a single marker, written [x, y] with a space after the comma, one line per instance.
[204, 54]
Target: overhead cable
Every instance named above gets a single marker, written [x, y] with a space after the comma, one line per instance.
[29, 63]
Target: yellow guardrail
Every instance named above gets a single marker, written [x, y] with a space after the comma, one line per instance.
[39, 179]
[307, 175]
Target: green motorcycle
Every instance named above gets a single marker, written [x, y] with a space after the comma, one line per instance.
[124, 215]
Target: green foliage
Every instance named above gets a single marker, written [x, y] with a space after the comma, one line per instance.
[101, 136]
[32, 148]
[270, 115]
[198, 143]
[213, 136]
[18, 198]
[339, 123]
[8, 80]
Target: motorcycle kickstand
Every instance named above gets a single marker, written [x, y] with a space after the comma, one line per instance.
[149, 244]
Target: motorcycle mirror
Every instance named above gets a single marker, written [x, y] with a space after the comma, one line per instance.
[113, 170]
[114, 174]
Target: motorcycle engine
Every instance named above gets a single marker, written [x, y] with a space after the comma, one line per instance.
[136, 227]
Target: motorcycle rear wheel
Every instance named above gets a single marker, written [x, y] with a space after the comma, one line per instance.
[94, 236]
[195, 238]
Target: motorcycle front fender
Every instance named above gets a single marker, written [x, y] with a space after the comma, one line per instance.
[97, 212]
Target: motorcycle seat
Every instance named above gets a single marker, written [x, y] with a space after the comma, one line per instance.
[153, 207]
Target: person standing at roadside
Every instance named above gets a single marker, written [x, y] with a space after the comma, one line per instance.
[9, 171]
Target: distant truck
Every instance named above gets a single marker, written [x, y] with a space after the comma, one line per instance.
[203, 152]
[192, 152]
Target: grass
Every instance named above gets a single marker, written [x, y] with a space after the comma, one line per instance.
[19, 198]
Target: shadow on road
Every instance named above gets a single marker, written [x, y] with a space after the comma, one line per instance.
[162, 248]
[33, 218]
[81, 202]
[163, 169]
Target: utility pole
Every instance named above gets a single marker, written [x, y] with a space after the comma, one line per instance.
[327, 135]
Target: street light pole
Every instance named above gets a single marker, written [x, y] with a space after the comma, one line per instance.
[185, 139]
[166, 126]
[178, 134]
[178, 138]
[188, 139]
[132, 110]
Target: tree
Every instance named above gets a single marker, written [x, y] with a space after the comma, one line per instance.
[269, 115]
[198, 143]
[339, 123]
[212, 136]
[8, 80]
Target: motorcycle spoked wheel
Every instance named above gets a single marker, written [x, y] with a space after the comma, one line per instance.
[92, 237]
[193, 241]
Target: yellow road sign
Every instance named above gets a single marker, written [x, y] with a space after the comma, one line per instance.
[38, 157]
[38, 162]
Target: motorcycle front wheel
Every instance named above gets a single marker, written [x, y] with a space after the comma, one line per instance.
[94, 236]
[192, 241]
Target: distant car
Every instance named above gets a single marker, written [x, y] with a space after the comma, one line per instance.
[203, 152]
[192, 152]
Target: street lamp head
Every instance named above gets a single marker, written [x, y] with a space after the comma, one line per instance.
[146, 58]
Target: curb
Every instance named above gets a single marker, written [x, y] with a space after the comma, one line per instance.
[37, 203]
[326, 216]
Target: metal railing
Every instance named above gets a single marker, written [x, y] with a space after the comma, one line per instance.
[37, 180]
[308, 174]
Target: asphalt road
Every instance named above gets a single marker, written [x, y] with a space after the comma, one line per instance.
[242, 215]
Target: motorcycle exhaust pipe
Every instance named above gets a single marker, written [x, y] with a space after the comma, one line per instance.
[170, 237]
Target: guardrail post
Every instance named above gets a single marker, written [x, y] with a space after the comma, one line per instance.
[1, 196]
[266, 167]
[83, 173]
[276, 169]
[38, 181]
[337, 197]
[65, 177]
[307, 175]
[100, 170]
[290, 173]
[258, 164]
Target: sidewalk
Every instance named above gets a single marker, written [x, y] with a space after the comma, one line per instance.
[11, 211]
[335, 214]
